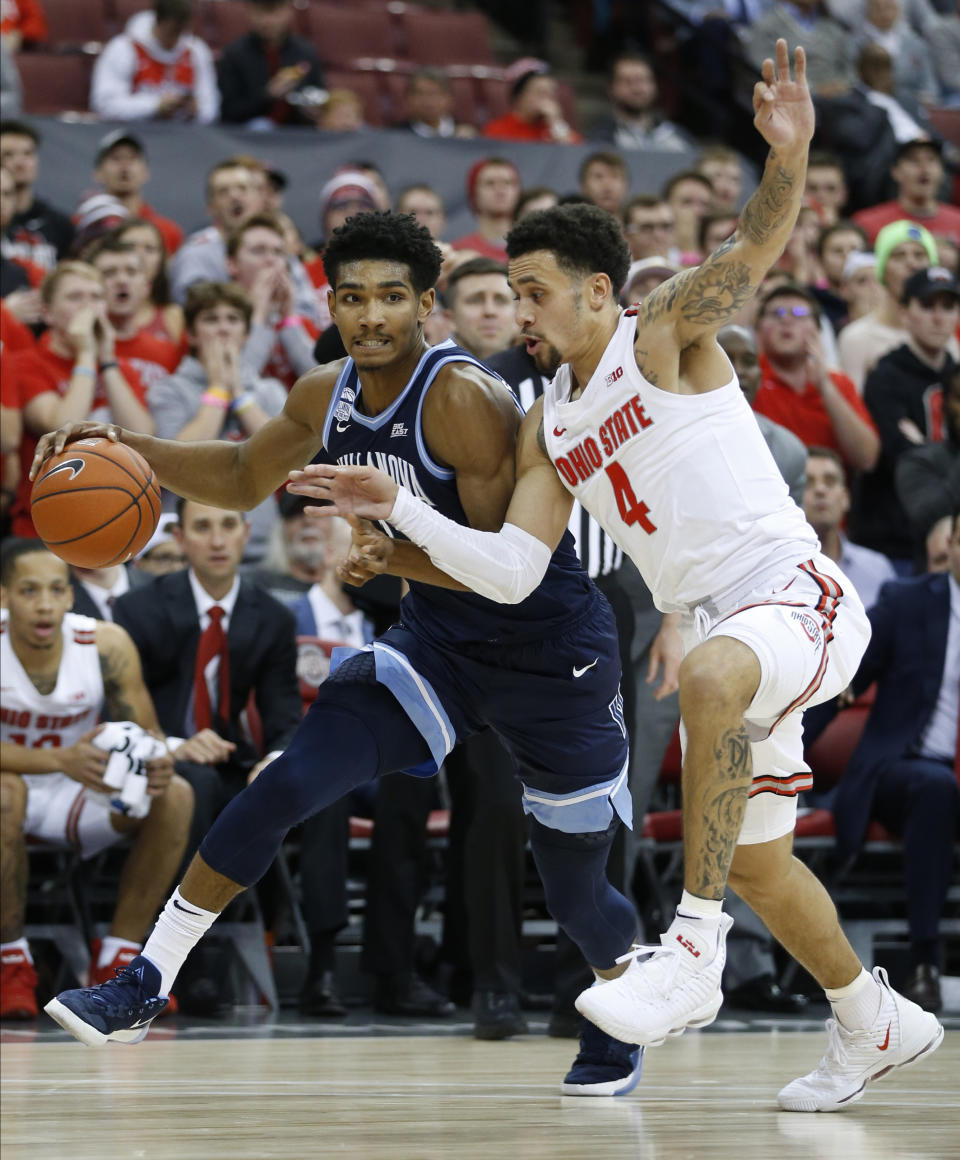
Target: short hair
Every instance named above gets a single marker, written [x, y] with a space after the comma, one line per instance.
[584, 239]
[237, 161]
[816, 452]
[261, 221]
[843, 226]
[419, 186]
[821, 159]
[710, 219]
[472, 267]
[716, 151]
[181, 503]
[384, 236]
[629, 56]
[602, 157]
[110, 244]
[790, 290]
[178, 11]
[206, 295]
[13, 549]
[641, 201]
[48, 287]
[160, 287]
[531, 193]
[685, 175]
[436, 75]
[20, 129]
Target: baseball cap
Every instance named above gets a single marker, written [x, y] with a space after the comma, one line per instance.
[924, 284]
[162, 535]
[916, 142]
[351, 185]
[119, 137]
[653, 265]
[858, 260]
[895, 234]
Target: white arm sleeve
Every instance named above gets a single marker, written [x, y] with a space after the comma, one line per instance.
[504, 566]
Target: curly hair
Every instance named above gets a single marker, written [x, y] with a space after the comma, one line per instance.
[384, 237]
[583, 238]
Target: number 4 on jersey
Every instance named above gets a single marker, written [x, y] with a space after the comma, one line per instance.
[632, 510]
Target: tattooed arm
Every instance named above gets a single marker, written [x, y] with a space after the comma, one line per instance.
[125, 694]
[699, 301]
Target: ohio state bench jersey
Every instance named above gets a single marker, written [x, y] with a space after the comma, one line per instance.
[684, 483]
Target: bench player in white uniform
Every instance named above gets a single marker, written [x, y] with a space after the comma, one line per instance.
[58, 671]
[646, 426]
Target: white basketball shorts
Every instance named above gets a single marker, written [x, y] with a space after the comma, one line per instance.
[62, 812]
[809, 631]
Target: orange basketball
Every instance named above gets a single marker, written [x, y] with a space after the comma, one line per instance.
[96, 503]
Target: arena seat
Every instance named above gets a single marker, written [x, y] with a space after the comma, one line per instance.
[436, 37]
[366, 83]
[74, 25]
[345, 35]
[55, 83]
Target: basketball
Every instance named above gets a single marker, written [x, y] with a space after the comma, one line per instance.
[96, 503]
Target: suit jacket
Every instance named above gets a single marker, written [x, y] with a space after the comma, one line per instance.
[163, 621]
[906, 657]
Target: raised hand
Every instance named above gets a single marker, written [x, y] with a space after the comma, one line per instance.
[783, 110]
[350, 491]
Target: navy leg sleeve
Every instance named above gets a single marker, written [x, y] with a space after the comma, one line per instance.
[352, 733]
[579, 896]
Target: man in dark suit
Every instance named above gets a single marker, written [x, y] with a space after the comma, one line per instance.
[906, 769]
[207, 639]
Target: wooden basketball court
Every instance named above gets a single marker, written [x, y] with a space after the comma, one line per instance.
[706, 1095]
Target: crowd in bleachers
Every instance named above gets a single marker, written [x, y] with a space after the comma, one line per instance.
[110, 310]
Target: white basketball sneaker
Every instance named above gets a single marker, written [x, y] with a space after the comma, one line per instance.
[665, 989]
[901, 1034]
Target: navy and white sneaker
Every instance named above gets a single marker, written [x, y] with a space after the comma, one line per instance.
[604, 1065]
[120, 1009]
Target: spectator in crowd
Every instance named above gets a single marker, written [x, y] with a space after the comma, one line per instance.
[72, 669]
[650, 228]
[162, 553]
[341, 112]
[715, 228]
[296, 553]
[214, 393]
[927, 477]
[130, 312]
[937, 545]
[347, 193]
[19, 278]
[904, 771]
[493, 187]
[11, 89]
[605, 180]
[533, 198]
[635, 120]
[72, 373]
[860, 289]
[97, 590]
[721, 165]
[918, 173]
[689, 195]
[429, 101]
[645, 275]
[427, 207]
[904, 393]
[166, 320]
[280, 343]
[326, 609]
[901, 249]
[123, 172]
[799, 391]
[826, 503]
[915, 83]
[261, 73]
[807, 22]
[95, 217]
[535, 113]
[835, 243]
[22, 22]
[156, 70]
[790, 454]
[480, 305]
[374, 175]
[37, 232]
[944, 41]
[826, 186]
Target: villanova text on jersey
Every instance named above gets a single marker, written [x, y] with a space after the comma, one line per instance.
[393, 442]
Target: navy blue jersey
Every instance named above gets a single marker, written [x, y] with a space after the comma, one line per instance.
[393, 441]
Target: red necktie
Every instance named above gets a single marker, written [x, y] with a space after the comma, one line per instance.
[212, 643]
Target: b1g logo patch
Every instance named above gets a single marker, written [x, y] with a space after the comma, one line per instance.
[809, 625]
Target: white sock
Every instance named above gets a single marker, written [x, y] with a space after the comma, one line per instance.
[179, 928]
[856, 1005]
[707, 910]
[111, 947]
[19, 944]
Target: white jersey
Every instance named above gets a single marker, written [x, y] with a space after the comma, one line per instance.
[684, 483]
[59, 719]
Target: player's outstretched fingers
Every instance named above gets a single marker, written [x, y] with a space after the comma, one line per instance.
[783, 60]
[800, 65]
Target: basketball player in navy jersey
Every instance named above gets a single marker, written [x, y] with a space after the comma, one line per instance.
[543, 672]
[645, 424]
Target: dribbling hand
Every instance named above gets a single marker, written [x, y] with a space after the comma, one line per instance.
[54, 441]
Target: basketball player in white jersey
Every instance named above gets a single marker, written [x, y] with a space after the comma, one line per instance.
[646, 426]
[60, 671]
